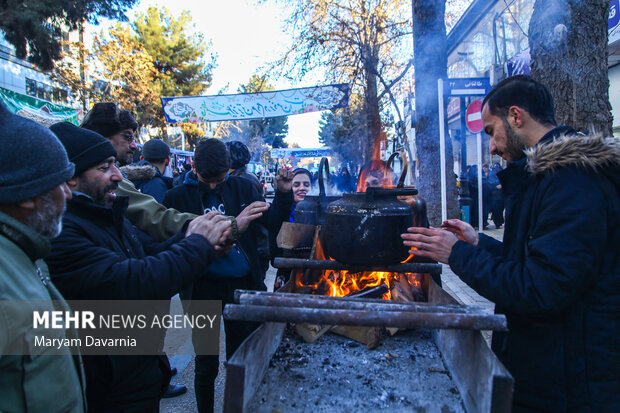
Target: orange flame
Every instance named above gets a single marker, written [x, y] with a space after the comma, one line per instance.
[342, 283]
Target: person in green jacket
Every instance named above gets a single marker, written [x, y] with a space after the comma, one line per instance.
[119, 127]
[33, 170]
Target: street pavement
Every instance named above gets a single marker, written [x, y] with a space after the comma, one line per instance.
[185, 364]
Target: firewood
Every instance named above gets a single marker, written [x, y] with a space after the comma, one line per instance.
[371, 336]
[294, 235]
[311, 332]
[370, 292]
[401, 290]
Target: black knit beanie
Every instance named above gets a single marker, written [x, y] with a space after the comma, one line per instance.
[239, 154]
[155, 150]
[84, 147]
[32, 161]
[107, 119]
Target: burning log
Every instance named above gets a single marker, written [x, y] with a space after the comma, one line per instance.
[400, 319]
[401, 291]
[408, 267]
[366, 304]
[370, 292]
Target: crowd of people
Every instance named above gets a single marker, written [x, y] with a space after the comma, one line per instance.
[79, 221]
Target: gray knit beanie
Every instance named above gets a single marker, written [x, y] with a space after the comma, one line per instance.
[32, 160]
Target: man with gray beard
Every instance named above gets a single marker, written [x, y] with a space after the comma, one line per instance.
[33, 192]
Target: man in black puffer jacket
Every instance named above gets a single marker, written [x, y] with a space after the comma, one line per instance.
[556, 276]
[99, 255]
[211, 188]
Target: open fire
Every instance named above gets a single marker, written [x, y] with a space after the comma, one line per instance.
[342, 283]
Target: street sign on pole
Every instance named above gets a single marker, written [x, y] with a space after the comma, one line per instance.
[473, 116]
[468, 86]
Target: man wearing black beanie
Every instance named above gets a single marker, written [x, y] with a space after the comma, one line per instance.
[100, 256]
[33, 171]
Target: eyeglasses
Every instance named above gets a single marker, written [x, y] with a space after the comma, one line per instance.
[129, 138]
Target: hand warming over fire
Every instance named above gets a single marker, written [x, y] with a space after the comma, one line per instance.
[250, 213]
[434, 243]
[462, 230]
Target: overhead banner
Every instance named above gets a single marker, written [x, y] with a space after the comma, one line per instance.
[199, 109]
[285, 153]
[38, 110]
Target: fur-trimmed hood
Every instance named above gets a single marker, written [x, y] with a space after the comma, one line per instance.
[138, 172]
[591, 152]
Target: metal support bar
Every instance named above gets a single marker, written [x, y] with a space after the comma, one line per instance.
[312, 301]
[398, 319]
[407, 267]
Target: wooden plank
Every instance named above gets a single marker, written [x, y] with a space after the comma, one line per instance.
[247, 366]
[482, 380]
[370, 336]
[293, 235]
[311, 332]
[400, 319]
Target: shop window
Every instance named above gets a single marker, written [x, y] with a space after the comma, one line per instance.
[43, 91]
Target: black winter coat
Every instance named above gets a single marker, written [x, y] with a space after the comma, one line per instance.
[100, 256]
[237, 193]
[556, 276]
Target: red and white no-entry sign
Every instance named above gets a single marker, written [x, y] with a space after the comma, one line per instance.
[473, 116]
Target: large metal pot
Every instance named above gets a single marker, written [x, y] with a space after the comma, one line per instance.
[311, 211]
[364, 228]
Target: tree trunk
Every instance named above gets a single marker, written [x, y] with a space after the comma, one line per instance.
[430, 62]
[568, 47]
[372, 110]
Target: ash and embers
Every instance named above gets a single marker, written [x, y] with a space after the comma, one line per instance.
[406, 373]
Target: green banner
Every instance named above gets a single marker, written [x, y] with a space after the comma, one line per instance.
[38, 110]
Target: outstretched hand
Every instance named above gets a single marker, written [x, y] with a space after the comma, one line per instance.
[250, 213]
[462, 230]
[434, 243]
[284, 180]
[214, 226]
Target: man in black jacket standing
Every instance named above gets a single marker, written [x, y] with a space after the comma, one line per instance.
[210, 188]
[556, 275]
[99, 255]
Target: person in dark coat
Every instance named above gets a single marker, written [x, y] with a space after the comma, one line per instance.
[209, 187]
[556, 276]
[147, 174]
[181, 178]
[99, 255]
[239, 157]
